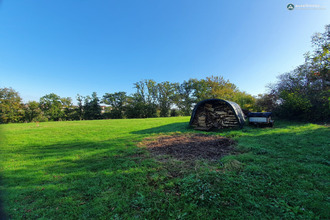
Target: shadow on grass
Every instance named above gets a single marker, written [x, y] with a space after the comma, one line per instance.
[2, 213]
[71, 177]
[174, 127]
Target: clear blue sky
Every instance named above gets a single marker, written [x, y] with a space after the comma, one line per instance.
[80, 46]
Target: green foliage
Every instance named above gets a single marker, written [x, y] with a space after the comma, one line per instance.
[53, 107]
[33, 113]
[151, 99]
[117, 101]
[166, 92]
[199, 191]
[246, 101]
[304, 92]
[174, 112]
[143, 103]
[11, 108]
[80, 108]
[266, 102]
[183, 97]
[295, 105]
[92, 108]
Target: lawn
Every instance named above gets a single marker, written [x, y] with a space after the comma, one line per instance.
[94, 169]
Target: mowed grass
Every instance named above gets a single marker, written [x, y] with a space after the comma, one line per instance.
[94, 169]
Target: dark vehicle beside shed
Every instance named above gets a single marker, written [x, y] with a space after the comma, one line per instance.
[261, 119]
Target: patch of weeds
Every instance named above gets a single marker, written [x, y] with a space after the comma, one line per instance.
[198, 191]
[233, 165]
[291, 212]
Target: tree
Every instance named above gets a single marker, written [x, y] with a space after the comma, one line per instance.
[117, 101]
[183, 97]
[201, 89]
[266, 102]
[304, 92]
[220, 88]
[32, 112]
[136, 108]
[68, 108]
[143, 103]
[92, 108]
[80, 108]
[52, 106]
[245, 101]
[213, 87]
[151, 98]
[165, 97]
[11, 108]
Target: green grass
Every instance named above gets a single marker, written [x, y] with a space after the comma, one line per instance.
[94, 169]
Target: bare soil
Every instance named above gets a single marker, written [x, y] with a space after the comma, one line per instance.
[190, 146]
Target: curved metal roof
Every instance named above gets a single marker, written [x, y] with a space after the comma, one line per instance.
[233, 105]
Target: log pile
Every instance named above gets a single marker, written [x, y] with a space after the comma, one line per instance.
[214, 116]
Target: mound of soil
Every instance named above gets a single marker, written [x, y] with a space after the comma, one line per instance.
[191, 146]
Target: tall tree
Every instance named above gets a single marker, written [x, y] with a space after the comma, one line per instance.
[304, 92]
[33, 112]
[80, 107]
[151, 98]
[68, 108]
[117, 101]
[221, 88]
[183, 97]
[143, 103]
[201, 89]
[245, 100]
[11, 108]
[52, 106]
[165, 97]
[92, 108]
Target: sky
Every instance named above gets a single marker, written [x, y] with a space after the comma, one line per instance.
[71, 47]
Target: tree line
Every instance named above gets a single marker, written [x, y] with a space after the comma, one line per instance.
[150, 99]
[304, 93]
[301, 94]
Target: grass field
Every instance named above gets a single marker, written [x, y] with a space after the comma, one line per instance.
[94, 169]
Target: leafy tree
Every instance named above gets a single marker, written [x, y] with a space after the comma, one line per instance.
[143, 103]
[220, 88]
[245, 101]
[80, 108]
[136, 107]
[266, 102]
[304, 92]
[11, 108]
[174, 112]
[295, 105]
[52, 106]
[165, 97]
[213, 87]
[201, 89]
[92, 108]
[151, 98]
[183, 97]
[117, 101]
[68, 108]
[32, 112]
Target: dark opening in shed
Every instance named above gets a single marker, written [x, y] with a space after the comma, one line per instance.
[216, 114]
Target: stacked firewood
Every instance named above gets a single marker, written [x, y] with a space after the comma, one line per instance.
[214, 116]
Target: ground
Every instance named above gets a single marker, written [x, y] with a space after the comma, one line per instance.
[190, 146]
[100, 169]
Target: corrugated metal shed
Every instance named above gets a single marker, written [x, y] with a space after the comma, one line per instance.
[239, 115]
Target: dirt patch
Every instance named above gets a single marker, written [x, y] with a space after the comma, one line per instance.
[190, 146]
